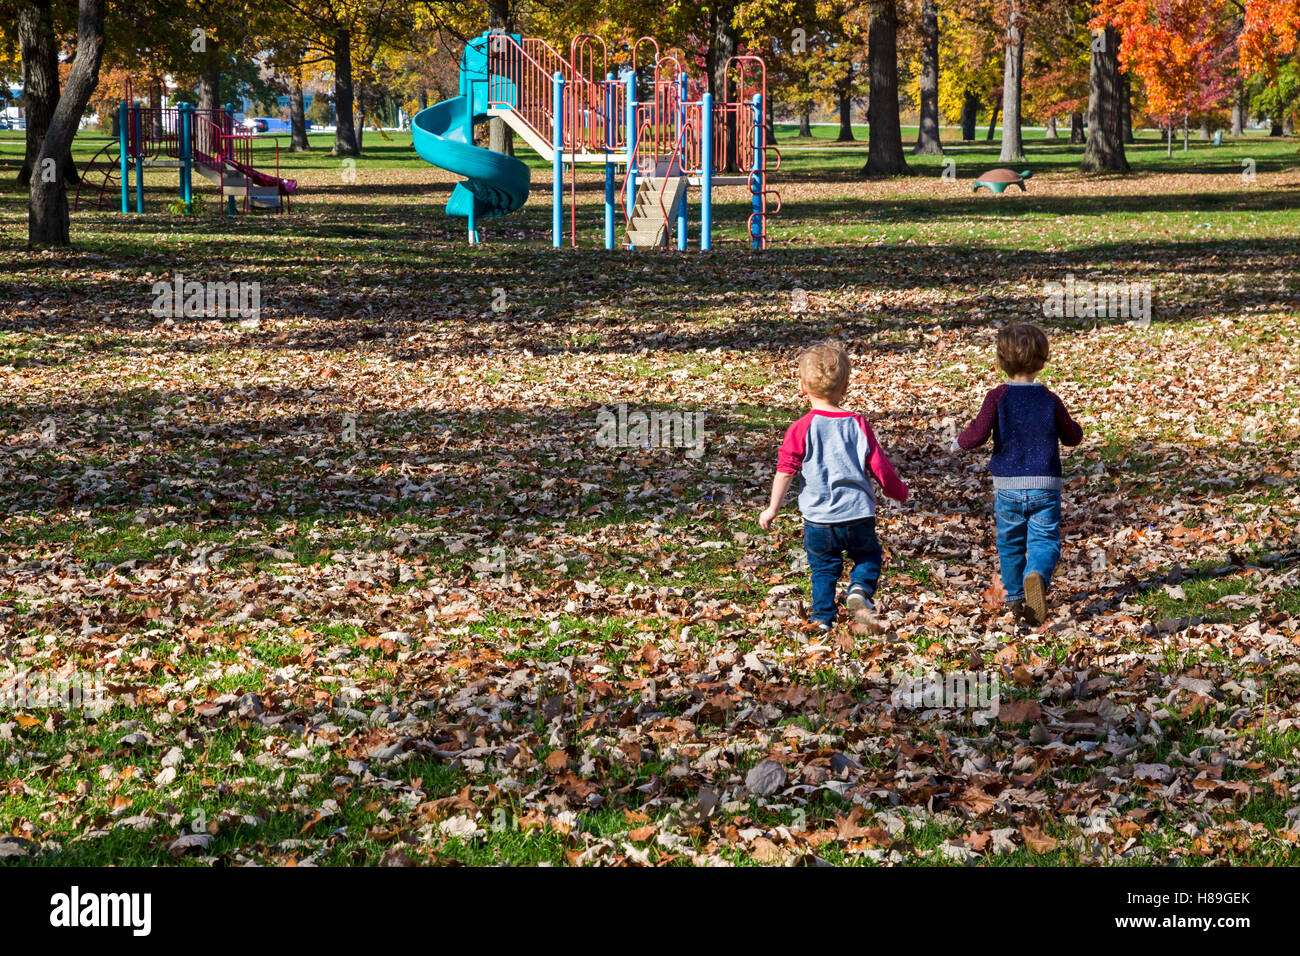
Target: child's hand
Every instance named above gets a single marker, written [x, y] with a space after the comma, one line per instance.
[766, 518]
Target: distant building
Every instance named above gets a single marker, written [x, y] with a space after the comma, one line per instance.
[12, 115]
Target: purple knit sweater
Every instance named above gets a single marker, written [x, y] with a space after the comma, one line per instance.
[1026, 421]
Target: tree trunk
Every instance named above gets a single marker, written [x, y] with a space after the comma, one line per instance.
[885, 137]
[1105, 149]
[970, 107]
[993, 121]
[500, 137]
[47, 209]
[722, 48]
[845, 99]
[422, 99]
[359, 99]
[1288, 124]
[1012, 73]
[1049, 132]
[1275, 129]
[345, 128]
[155, 106]
[1205, 132]
[1076, 128]
[1126, 118]
[1238, 127]
[1186, 145]
[805, 122]
[769, 120]
[298, 142]
[927, 136]
[210, 79]
[39, 50]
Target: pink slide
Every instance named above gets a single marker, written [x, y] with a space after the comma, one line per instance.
[287, 186]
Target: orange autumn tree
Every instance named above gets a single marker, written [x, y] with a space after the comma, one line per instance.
[1183, 51]
[1270, 29]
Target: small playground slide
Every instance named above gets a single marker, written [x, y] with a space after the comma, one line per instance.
[286, 186]
[255, 176]
[494, 185]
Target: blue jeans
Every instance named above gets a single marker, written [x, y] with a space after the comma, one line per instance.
[1029, 536]
[827, 544]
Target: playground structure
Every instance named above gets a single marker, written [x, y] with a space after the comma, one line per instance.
[996, 180]
[571, 111]
[185, 138]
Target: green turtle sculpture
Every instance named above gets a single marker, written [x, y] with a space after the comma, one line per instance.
[996, 180]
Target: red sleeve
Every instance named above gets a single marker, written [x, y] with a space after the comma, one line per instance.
[790, 458]
[1067, 429]
[880, 468]
[978, 431]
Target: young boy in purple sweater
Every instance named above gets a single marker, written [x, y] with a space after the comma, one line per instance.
[836, 455]
[1026, 421]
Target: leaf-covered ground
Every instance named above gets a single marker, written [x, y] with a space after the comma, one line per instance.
[362, 586]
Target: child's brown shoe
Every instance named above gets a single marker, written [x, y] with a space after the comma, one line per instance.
[863, 610]
[1035, 598]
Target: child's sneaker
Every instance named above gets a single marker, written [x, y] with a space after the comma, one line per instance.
[862, 608]
[1035, 599]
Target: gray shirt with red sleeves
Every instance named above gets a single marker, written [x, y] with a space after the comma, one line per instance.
[834, 452]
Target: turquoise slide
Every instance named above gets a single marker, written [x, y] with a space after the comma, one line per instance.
[443, 134]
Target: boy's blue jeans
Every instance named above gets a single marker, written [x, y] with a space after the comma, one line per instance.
[827, 544]
[1029, 536]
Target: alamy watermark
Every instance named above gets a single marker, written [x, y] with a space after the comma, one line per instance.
[1072, 299]
[656, 428]
[44, 690]
[75, 909]
[979, 691]
[206, 300]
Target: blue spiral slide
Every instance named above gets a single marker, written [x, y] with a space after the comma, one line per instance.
[443, 134]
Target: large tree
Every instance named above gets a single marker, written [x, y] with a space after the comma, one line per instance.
[885, 147]
[927, 136]
[1104, 151]
[39, 48]
[348, 34]
[1013, 55]
[47, 207]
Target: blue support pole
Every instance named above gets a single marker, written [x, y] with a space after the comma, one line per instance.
[471, 221]
[557, 142]
[681, 165]
[757, 178]
[124, 117]
[139, 160]
[630, 198]
[706, 175]
[610, 120]
[186, 121]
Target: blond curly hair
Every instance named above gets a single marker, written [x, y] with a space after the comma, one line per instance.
[824, 370]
